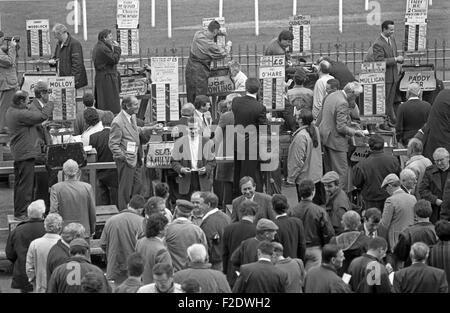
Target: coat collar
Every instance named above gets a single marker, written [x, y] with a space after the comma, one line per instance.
[200, 266]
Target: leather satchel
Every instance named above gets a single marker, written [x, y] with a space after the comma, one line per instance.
[58, 154]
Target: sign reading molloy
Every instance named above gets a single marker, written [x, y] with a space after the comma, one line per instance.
[219, 82]
[159, 154]
[63, 94]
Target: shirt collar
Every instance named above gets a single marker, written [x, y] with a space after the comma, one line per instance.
[281, 215]
[413, 98]
[384, 37]
[251, 95]
[128, 116]
[210, 213]
[366, 231]
[265, 259]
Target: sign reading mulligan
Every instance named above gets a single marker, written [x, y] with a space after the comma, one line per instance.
[272, 73]
[63, 91]
[38, 38]
[373, 98]
[165, 88]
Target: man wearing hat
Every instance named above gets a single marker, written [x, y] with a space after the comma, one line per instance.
[74, 200]
[247, 252]
[182, 233]
[337, 202]
[8, 77]
[67, 277]
[398, 212]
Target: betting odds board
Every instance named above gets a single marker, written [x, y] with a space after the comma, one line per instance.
[63, 95]
[300, 27]
[128, 26]
[373, 97]
[416, 26]
[38, 38]
[272, 75]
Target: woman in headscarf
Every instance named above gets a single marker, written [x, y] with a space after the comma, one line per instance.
[106, 56]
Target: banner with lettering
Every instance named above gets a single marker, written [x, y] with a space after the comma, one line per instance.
[300, 26]
[133, 86]
[38, 38]
[165, 88]
[63, 93]
[373, 98]
[272, 74]
[159, 154]
[416, 11]
[220, 82]
[127, 14]
[424, 75]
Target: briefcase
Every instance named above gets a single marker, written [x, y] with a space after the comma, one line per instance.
[60, 153]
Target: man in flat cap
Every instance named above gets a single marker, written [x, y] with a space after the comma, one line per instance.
[67, 277]
[337, 202]
[398, 212]
[247, 251]
[73, 199]
[182, 233]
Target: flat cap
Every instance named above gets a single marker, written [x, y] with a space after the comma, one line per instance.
[330, 177]
[391, 178]
[265, 224]
[184, 206]
[79, 242]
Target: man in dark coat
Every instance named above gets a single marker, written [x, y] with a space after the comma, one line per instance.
[352, 241]
[278, 45]
[369, 173]
[59, 253]
[248, 112]
[248, 187]
[371, 225]
[440, 252]
[385, 49]
[411, 115]
[261, 276]
[203, 51]
[107, 179]
[291, 233]
[247, 250]
[433, 184]
[68, 276]
[236, 233]
[68, 56]
[23, 124]
[323, 278]
[18, 242]
[437, 128]
[106, 56]
[368, 273]
[419, 277]
[421, 231]
[213, 224]
[80, 124]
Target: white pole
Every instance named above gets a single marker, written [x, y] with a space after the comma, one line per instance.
[431, 2]
[84, 21]
[340, 16]
[0, 21]
[75, 13]
[169, 18]
[366, 6]
[294, 7]
[153, 13]
[256, 18]
[220, 8]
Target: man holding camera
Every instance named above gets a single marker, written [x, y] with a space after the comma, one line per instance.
[8, 76]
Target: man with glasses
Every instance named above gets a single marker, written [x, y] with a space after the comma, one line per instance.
[434, 180]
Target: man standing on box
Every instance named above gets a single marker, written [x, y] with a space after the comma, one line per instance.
[124, 143]
[203, 51]
[23, 126]
[68, 56]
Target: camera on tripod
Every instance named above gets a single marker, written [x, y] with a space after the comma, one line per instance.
[15, 38]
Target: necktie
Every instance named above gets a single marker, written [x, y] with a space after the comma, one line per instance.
[133, 121]
[389, 42]
[204, 119]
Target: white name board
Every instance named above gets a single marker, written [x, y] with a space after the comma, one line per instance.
[165, 88]
[272, 74]
[63, 92]
[159, 154]
[426, 79]
[372, 77]
[127, 13]
[38, 38]
[300, 26]
[416, 11]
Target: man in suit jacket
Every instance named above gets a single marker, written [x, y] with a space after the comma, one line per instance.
[194, 162]
[261, 276]
[124, 143]
[434, 187]
[419, 277]
[385, 49]
[371, 225]
[107, 179]
[411, 115]
[248, 188]
[248, 112]
[335, 127]
[235, 233]
[202, 115]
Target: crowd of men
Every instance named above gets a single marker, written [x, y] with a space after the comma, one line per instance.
[237, 238]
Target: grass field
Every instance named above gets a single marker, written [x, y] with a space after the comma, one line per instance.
[239, 14]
